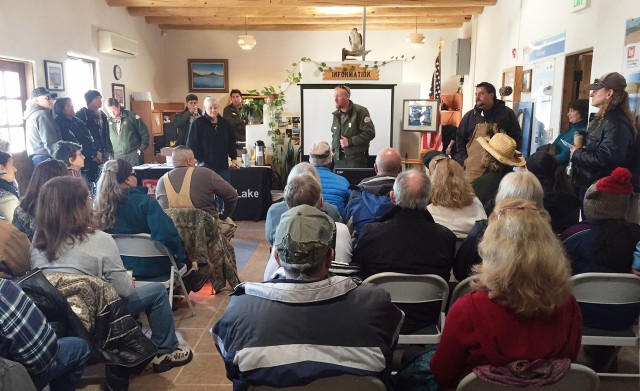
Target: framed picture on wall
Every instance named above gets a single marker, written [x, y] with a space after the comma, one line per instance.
[208, 75]
[526, 80]
[420, 115]
[118, 92]
[54, 75]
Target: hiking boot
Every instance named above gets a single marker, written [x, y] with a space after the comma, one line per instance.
[164, 362]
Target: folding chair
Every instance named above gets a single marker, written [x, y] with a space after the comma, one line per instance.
[416, 289]
[611, 289]
[460, 290]
[578, 377]
[337, 383]
[142, 246]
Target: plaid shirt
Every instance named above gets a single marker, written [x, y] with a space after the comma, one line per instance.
[25, 335]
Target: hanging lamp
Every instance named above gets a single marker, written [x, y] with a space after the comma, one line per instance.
[246, 41]
[416, 39]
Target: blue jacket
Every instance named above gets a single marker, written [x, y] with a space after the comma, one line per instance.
[139, 213]
[286, 333]
[562, 156]
[335, 188]
[368, 202]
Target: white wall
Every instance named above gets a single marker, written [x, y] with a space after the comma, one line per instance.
[34, 30]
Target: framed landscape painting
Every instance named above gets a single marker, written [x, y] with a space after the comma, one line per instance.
[208, 75]
[420, 115]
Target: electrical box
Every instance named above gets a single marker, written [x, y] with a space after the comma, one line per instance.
[461, 49]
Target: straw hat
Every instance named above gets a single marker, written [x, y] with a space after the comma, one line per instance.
[503, 148]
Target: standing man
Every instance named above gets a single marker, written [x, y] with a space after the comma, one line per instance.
[129, 135]
[42, 130]
[232, 114]
[489, 116]
[98, 124]
[352, 130]
[183, 120]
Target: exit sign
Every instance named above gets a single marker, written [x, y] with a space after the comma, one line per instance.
[578, 5]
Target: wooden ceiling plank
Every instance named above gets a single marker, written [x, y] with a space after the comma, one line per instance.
[308, 27]
[356, 22]
[298, 3]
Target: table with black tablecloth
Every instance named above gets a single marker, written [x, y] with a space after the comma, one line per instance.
[252, 183]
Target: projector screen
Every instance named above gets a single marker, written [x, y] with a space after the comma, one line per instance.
[318, 104]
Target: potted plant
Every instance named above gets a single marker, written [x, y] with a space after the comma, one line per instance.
[251, 110]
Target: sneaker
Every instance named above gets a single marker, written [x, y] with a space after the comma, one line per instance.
[164, 362]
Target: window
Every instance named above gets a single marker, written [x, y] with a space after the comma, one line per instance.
[81, 77]
[13, 97]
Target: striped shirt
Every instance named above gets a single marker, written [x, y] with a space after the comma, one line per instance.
[25, 335]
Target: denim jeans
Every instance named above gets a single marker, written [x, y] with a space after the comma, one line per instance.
[153, 300]
[65, 373]
[37, 159]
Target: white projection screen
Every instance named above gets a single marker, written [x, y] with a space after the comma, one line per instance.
[317, 105]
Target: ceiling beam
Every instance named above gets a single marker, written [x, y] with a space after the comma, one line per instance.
[296, 3]
[298, 11]
[307, 27]
[347, 21]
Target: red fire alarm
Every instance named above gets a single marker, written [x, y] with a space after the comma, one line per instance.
[513, 53]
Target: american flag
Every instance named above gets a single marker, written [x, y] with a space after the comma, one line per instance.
[429, 140]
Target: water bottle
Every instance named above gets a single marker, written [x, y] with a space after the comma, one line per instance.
[259, 153]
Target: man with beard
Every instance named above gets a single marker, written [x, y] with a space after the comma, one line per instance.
[352, 131]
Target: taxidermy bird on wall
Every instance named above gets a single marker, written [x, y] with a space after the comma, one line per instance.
[355, 39]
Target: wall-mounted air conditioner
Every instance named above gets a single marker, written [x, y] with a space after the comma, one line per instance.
[116, 44]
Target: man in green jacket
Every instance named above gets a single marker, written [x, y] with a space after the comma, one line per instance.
[183, 120]
[129, 135]
[352, 131]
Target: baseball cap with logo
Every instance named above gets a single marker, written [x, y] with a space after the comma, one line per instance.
[304, 235]
[613, 81]
[41, 91]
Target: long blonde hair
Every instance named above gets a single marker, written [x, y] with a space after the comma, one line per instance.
[108, 196]
[450, 188]
[524, 265]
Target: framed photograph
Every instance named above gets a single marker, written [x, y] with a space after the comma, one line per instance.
[420, 115]
[526, 80]
[118, 92]
[54, 75]
[208, 75]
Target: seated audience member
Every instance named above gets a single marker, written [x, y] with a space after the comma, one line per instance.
[276, 210]
[27, 338]
[407, 240]
[560, 197]
[355, 326]
[521, 185]
[9, 196]
[189, 186]
[24, 216]
[605, 243]
[578, 114]
[430, 155]
[71, 155]
[371, 199]
[335, 188]
[67, 242]
[14, 251]
[123, 208]
[521, 307]
[453, 203]
[304, 189]
[498, 159]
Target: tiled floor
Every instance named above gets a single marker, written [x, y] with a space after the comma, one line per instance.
[206, 371]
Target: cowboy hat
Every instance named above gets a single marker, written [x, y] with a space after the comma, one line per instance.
[503, 148]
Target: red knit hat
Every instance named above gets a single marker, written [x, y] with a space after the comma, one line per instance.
[609, 197]
[618, 183]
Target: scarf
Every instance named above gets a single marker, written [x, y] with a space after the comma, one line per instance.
[9, 187]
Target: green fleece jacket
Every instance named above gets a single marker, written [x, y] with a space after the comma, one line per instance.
[133, 133]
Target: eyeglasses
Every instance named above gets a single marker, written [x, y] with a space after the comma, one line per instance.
[601, 84]
[48, 98]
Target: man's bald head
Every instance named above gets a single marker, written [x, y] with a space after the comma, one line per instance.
[388, 162]
[412, 190]
[181, 156]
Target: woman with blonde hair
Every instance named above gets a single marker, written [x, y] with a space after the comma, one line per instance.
[521, 306]
[453, 202]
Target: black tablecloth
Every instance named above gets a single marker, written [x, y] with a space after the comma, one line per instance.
[252, 183]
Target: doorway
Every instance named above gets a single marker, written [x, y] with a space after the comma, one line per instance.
[577, 76]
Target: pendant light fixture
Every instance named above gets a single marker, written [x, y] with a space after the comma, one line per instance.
[416, 39]
[246, 41]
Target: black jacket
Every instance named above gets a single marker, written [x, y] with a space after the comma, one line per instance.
[99, 133]
[73, 129]
[499, 114]
[610, 143]
[211, 144]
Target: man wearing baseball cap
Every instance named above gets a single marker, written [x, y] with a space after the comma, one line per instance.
[42, 130]
[611, 136]
[286, 333]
